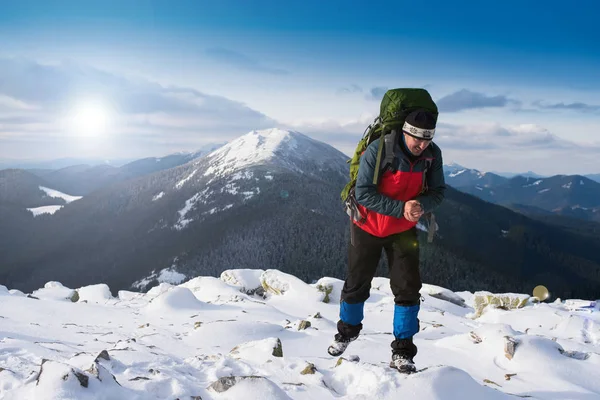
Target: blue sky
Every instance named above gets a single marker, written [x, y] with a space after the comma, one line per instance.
[518, 83]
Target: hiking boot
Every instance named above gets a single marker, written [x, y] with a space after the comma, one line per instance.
[340, 343]
[403, 363]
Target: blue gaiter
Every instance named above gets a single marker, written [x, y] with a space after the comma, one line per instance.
[352, 314]
[406, 324]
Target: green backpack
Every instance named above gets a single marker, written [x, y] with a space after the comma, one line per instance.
[395, 107]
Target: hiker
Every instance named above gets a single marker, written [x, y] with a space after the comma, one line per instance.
[389, 208]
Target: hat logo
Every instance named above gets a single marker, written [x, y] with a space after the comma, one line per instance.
[418, 132]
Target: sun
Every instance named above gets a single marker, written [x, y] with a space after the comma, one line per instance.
[89, 119]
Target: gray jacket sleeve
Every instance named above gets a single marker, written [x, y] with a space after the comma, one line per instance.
[436, 184]
[366, 192]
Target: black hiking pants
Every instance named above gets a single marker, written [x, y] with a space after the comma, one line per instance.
[402, 253]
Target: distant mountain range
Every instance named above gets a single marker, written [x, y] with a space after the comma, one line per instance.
[60, 163]
[453, 167]
[267, 199]
[568, 195]
[528, 174]
[83, 179]
[594, 177]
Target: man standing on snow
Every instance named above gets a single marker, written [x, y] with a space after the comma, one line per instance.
[412, 186]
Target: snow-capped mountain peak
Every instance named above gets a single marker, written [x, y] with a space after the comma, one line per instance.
[256, 146]
[289, 149]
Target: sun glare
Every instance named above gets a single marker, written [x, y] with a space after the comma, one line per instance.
[89, 119]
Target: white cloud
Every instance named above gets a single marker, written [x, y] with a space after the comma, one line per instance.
[466, 99]
[516, 148]
[35, 99]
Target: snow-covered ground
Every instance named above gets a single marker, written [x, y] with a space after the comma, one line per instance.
[54, 194]
[59, 195]
[256, 334]
[44, 210]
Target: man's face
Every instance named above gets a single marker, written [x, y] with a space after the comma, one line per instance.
[416, 146]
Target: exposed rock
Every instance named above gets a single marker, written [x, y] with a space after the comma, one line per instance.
[505, 301]
[491, 382]
[510, 345]
[37, 380]
[247, 280]
[83, 378]
[309, 370]
[278, 349]
[271, 283]
[104, 355]
[508, 376]
[303, 325]
[577, 355]
[197, 324]
[264, 349]
[327, 289]
[93, 370]
[75, 296]
[317, 315]
[227, 382]
[259, 291]
[459, 301]
[140, 378]
[475, 337]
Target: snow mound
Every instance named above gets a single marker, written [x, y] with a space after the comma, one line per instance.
[58, 381]
[366, 381]
[331, 287]
[177, 298]
[279, 283]
[53, 284]
[127, 295]
[212, 289]
[251, 388]
[159, 289]
[55, 291]
[95, 293]
[247, 280]
[442, 294]
[229, 333]
[382, 284]
[260, 351]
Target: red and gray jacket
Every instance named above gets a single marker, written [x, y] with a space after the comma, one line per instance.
[408, 178]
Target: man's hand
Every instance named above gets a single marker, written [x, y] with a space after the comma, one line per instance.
[413, 210]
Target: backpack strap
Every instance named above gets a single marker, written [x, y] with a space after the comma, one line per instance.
[388, 142]
[428, 163]
[432, 226]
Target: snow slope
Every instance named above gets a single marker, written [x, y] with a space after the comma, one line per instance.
[52, 209]
[264, 334]
[60, 195]
[44, 210]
